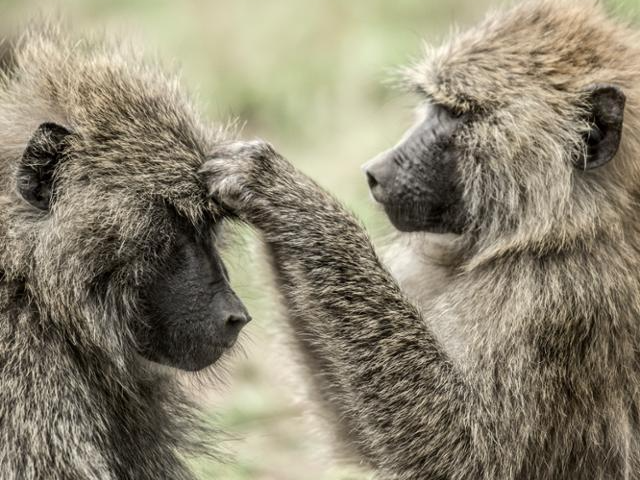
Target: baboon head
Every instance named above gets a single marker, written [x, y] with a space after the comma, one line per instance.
[104, 222]
[520, 129]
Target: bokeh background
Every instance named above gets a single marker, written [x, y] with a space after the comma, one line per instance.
[314, 77]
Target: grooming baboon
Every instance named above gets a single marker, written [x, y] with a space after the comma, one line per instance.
[106, 262]
[522, 359]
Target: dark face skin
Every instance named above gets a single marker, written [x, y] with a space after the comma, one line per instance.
[417, 182]
[190, 313]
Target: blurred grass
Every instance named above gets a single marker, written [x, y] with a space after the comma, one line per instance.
[310, 77]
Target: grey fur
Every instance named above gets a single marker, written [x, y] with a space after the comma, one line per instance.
[518, 357]
[76, 401]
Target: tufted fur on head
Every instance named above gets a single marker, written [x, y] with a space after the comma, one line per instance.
[76, 401]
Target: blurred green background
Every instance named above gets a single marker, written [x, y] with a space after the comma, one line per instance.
[313, 77]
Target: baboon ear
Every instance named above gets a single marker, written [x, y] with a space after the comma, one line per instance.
[606, 103]
[39, 161]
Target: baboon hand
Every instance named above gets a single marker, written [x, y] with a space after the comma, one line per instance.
[237, 174]
[254, 182]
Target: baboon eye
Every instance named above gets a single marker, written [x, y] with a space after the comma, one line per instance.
[454, 112]
[36, 172]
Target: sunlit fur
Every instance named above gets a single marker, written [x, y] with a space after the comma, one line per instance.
[76, 401]
[518, 356]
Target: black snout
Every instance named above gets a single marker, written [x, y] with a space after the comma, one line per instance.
[380, 173]
[192, 315]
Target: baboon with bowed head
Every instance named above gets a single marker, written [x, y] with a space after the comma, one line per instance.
[518, 356]
[107, 264]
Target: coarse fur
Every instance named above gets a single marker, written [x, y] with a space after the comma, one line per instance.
[77, 401]
[6, 55]
[518, 357]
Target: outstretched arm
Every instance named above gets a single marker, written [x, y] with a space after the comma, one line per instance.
[400, 396]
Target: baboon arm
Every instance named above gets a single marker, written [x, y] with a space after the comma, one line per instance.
[401, 398]
[397, 396]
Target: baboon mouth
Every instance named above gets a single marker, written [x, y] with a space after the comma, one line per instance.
[188, 349]
[415, 218]
[192, 361]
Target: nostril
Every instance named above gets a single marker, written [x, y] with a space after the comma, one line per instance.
[237, 320]
[232, 326]
[371, 180]
[377, 189]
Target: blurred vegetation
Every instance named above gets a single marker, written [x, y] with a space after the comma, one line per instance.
[312, 77]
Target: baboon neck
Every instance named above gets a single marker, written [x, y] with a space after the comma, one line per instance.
[64, 404]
